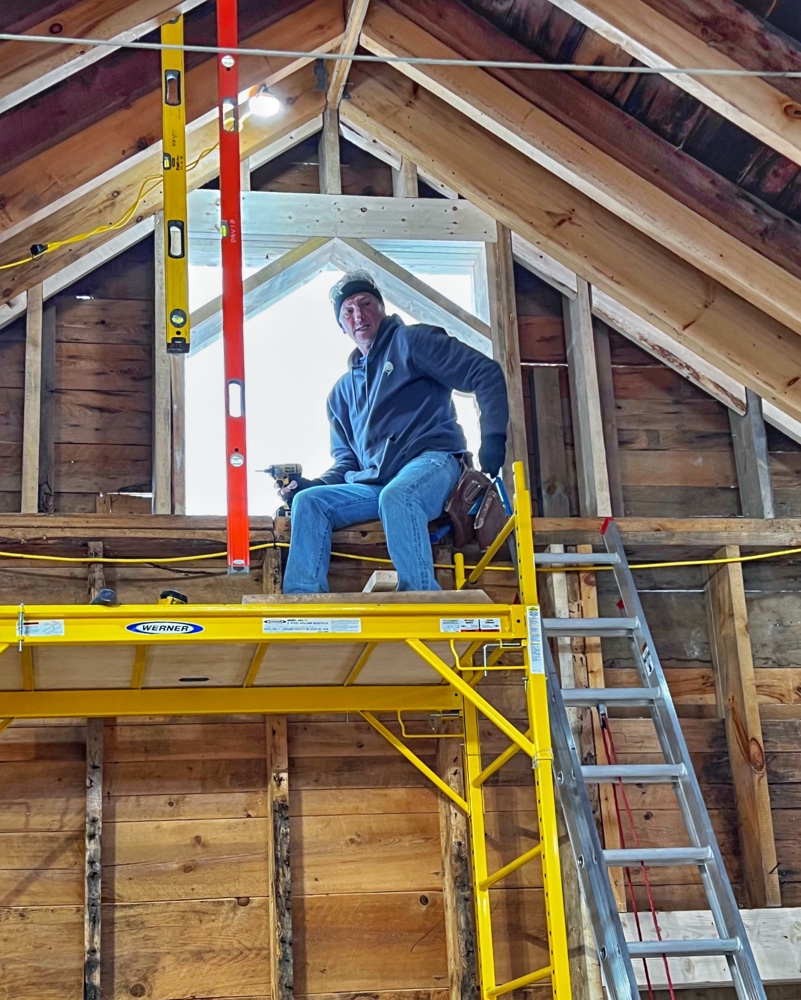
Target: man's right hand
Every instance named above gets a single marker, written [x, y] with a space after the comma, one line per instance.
[295, 485]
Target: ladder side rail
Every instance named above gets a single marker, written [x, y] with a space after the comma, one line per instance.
[610, 939]
[725, 912]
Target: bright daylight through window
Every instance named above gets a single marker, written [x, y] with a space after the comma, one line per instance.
[294, 352]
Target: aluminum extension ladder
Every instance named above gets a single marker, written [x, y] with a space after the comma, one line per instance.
[614, 951]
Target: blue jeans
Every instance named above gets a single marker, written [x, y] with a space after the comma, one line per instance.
[405, 506]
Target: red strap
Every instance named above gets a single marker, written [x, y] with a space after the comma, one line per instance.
[232, 293]
[605, 525]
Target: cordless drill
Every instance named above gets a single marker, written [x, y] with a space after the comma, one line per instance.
[283, 474]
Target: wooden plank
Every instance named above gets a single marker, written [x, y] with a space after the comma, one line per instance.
[341, 67]
[47, 423]
[737, 694]
[552, 475]
[404, 180]
[263, 289]
[30, 69]
[270, 214]
[644, 276]
[752, 459]
[606, 396]
[506, 345]
[412, 294]
[457, 889]
[328, 151]
[767, 931]
[29, 503]
[161, 399]
[585, 402]
[596, 173]
[92, 918]
[278, 866]
[751, 103]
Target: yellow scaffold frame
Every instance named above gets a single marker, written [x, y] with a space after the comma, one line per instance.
[416, 625]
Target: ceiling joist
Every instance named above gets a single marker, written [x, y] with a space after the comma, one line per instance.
[612, 255]
[341, 67]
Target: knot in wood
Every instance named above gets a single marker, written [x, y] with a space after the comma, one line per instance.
[792, 109]
[756, 755]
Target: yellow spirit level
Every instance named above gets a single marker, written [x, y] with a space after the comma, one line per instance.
[176, 261]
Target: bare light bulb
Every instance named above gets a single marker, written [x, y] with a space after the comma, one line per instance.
[263, 104]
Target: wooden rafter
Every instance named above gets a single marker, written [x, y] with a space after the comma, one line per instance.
[339, 74]
[107, 202]
[40, 187]
[29, 68]
[604, 250]
[750, 102]
[635, 199]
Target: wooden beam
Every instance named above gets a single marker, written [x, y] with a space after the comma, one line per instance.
[506, 345]
[328, 147]
[162, 402]
[92, 922]
[79, 268]
[341, 67]
[753, 104]
[553, 145]
[107, 202]
[28, 69]
[404, 180]
[752, 459]
[457, 888]
[606, 395]
[278, 866]
[264, 288]
[32, 403]
[549, 432]
[47, 183]
[732, 659]
[47, 426]
[598, 246]
[272, 214]
[585, 404]
[412, 294]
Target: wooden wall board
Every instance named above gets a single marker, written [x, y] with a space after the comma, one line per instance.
[101, 320]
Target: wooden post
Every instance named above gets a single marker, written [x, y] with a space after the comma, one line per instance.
[94, 822]
[752, 458]
[162, 405]
[733, 663]
[585, 401]
[585, 971]
[457, 888]
[328, 148]
[279, 872]
[606, 395]
[506, 343]
[47, 429]
[549, 442]
[404, 180]
[32, 414]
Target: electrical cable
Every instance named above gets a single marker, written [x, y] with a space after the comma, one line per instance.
[149, 184]
[412, 60]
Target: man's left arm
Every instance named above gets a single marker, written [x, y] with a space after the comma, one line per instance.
[460, 367]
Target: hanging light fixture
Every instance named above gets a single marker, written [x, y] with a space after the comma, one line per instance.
[264, 104]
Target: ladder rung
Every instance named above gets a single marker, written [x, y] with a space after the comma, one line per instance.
[658, 857]
[576, 559]
[646, 774]
[701, 946]
[609, 627]
[610, 696]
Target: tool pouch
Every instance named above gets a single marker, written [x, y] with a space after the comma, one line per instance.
[490, 519]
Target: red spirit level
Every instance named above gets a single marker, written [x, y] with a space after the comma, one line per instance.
[233, 337]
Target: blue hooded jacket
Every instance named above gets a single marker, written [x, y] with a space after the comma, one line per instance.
[395, 402]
